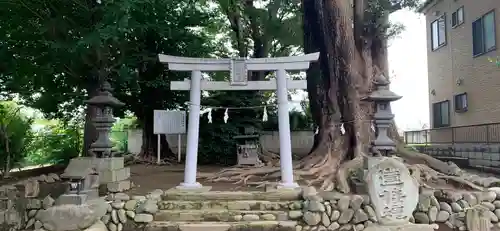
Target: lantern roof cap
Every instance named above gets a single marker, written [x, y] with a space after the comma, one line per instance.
[104, 97]
[382, 91]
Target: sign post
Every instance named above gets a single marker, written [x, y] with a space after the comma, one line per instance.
[169, 122]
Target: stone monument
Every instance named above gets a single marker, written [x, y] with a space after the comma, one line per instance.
[391, 188]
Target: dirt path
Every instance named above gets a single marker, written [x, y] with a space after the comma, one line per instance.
[150, 177]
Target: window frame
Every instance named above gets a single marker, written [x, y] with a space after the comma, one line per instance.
[461, 98]
[440, 124]
[484, 49]
[456, 13]
[443, 16]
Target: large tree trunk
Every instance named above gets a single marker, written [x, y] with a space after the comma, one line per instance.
[353, 47]
[149, 149]
[150, 72]
[89, 133]
[335, 85]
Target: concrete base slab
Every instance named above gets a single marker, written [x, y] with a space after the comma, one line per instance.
[221, 215]
[278, 188]
[230, 205]
[180, 189]
[405, 227]
[278, 195]
[226, 226]
[292, 186]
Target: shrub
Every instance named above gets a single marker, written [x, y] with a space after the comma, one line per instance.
[15, 135]
[56, 144]
[119, 135]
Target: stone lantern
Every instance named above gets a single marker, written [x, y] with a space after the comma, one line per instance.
[104, 103]
[382, 96]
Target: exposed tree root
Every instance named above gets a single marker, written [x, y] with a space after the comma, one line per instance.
[319, 170]
[147, 160]
[343, 174]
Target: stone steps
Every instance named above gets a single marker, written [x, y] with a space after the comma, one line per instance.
[218, 226]
[230, 205]
[224, 215]
[278, 195]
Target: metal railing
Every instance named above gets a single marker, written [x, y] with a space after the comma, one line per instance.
[471, 134]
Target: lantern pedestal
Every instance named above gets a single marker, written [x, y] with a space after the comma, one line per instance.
[113, 175]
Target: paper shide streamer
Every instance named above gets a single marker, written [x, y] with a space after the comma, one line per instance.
[264, 115]
[342, 129]
[226, 116]
[209, 116]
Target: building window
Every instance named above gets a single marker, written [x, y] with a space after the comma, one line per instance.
[441, 114]
[461, 102]
[438, 32]
[457, 17]
[483, 34]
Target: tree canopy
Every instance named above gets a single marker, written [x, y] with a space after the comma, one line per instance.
[56, 53]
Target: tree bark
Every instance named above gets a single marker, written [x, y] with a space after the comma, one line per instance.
[150, 140]
[90, 133]
[151, 71]
[336, 85]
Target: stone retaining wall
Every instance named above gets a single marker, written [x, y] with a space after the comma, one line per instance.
[336, 211]
[21, 199]
[25, 208]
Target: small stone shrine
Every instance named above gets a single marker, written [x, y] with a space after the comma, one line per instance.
[248, 147]
[83, 182]
[392, 190]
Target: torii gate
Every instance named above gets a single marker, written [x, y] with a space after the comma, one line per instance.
[238, 68]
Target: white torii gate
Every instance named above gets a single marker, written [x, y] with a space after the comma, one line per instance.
[238, 68]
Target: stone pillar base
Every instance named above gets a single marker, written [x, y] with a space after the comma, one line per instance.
[113, 175]
[182, 188]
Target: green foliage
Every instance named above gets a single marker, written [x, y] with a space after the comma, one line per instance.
[217, 144]
[119, 133]
[54, 54]
[55, 144]
[15, 135]
[379, 11]
[495, 60]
